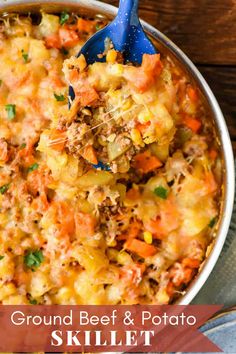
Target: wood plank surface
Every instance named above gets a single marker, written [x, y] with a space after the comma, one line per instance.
[206, 31]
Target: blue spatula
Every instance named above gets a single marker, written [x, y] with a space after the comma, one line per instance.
[126, 34]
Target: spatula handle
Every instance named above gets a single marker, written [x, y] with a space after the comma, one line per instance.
[128, 11]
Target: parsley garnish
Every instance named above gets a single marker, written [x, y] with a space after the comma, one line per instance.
[33, 259]
[64, 18]
[98, 27]
[25, 56]
[33, 167]
[161, 192]
[4, 188]
[212, 222]
[59, 98]
[11, 111]
[23, 146]
[33, 301]
[64, 51]
[1, 257]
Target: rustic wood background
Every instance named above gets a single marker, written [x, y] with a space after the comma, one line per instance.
[206, 31]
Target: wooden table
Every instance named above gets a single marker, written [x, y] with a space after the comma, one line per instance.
[206, 31]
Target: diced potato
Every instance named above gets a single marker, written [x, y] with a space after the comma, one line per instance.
[118, 148]
[155, 182]
[57, 164]
[92, 259]
[160, 151]
[7, 268]
[49, 25]
[70, 172]
[7, 290]
[20, 45]
[113, 294]
[40, 284]
[65, 296]
[89, 294]
[95, 178]
[15, 300]
[37, 51]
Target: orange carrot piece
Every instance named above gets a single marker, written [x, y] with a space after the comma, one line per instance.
[156, 228]
[86, 26]
[88, 95]
[192, 123]
[85, 224]
[192, 94]
[3, 151]
[213, 154]
[68, 37]
[145, 162]
[89, 154]
[132, 231]
[143, 127]
[40, 204]
[57, 139]
[191, 263]
[53, 41]
[210, 182]
[140, 247]
[133, 194]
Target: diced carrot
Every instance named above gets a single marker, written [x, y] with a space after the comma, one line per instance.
[143, 127]
[85, 224]
[40, 204]
[144, 77]
[3, 150]
[132, 232]
[140, 247]
[192, 123]
[145, 162]
[89, 154]
[68, 37]
[86, 26]
[188, 275]
[65, 218]
[133, 194]
[192, 94]
[210, 182]
[53, 41]
[170, 288]
[213, 154]
[191, 263]
[88, 95]
[37, 181]
[57, 139]
[152, 64]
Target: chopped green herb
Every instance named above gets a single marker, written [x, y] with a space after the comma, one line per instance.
[64, 51]
[33, 301]
[64, 18]
[25, 56]
[33, 259]
[1, 257]
[4, 188]
[59, 98]
[98, 27]
[23, 146]
[33, 167]
[212, 222]
[161, 192]
[11, 111]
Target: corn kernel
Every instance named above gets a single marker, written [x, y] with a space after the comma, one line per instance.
[127, 104]
[117, 69]
[111, 56]
[144, 117]
[136, 137]
[147, 237]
